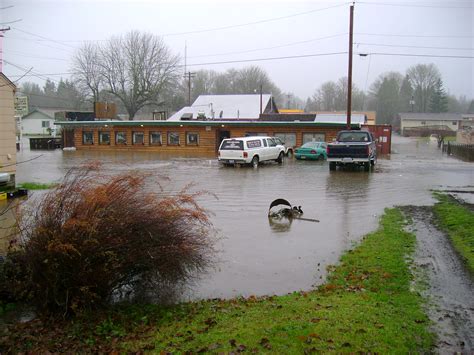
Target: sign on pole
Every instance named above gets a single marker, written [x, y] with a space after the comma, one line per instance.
[21, 106]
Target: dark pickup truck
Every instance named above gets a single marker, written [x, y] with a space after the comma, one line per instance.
[352, 147]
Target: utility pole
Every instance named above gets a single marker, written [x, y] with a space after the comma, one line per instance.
[261, 98]
[189, 75]
[349, 74]
[2, 32]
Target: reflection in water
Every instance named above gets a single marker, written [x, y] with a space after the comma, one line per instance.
[280, 224]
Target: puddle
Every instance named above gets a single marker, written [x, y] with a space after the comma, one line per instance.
[450, 293]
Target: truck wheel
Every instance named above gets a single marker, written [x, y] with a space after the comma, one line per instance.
[332, 165]
[279, 160]
[255, 161]
[367, 166]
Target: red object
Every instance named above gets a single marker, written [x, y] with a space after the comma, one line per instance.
[245, 155]
[313, 152]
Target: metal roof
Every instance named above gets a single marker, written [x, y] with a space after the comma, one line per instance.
[199, 123]
[231, 107]
[356, 118]
[445, 116]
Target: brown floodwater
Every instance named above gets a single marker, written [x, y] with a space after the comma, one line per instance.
[257, 256]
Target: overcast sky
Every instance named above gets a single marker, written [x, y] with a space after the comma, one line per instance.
[221, 31]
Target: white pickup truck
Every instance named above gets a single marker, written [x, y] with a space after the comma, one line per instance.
[250, 150]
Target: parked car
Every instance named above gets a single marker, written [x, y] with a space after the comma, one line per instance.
[288, 150]
[311, 151]
[352, 148]
[250, 150]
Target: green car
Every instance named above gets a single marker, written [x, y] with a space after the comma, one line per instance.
[312, 151]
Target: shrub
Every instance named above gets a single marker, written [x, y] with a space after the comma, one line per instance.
[95, 235]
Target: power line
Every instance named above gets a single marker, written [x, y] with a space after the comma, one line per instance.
[267, 59]
[266, 48]
[254, 22]
[413, 5]
[402, 46]
[42, 37]
[406, 35]
[27, 55]
[419, 55]
[38, 75]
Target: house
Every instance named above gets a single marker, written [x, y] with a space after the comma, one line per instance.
[7, 131]
[370, 116]
[227, 107]
[424, 124]
[38, 122]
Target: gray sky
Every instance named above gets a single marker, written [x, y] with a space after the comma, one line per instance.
[49, 31]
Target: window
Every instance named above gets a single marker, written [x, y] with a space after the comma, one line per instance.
[173, 138]
[155, 138]
[120, 138]
[423, 122]
[314, 137]
[104, 137]
[256, 143]
[138, 138]
[288, 138]
[455, 123]
[192, 138]
[271, 143]
[45, 124]
[87, 137]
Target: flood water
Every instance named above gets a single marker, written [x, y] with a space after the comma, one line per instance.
[255, 256]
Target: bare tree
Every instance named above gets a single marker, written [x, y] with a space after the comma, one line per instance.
[87, 70]
[137, 68]
[423, 78]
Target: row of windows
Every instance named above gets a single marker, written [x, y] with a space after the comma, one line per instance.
[139, 138]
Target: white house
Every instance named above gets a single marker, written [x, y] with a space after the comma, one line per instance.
[227, 107]
[38, 122]
[429, 121]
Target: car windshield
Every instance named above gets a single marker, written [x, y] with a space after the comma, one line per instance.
[311, 145]
[353, 137]
[233, 144]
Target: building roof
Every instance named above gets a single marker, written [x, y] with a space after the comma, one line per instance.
[340, 118]
[225, 107]
[416, 116]
[8, 81]
[44, 113]
[231, 123]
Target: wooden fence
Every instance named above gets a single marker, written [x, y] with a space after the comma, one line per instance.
[463, 151]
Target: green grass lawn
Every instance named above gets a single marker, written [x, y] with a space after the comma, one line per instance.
[367, 305]
[35, 186]
[458, 221]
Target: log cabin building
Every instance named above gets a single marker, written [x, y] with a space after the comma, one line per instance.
[200, 128]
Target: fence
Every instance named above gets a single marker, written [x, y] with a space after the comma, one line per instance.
[463, 151]
[48, 143]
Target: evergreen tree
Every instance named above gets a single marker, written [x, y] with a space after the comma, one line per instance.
[406, 95]
[438, 99]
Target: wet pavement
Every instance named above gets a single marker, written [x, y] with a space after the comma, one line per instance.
[257, 257]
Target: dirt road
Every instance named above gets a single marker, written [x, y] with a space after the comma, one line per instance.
[450, 289]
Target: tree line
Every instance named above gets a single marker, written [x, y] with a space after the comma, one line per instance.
[139, 72]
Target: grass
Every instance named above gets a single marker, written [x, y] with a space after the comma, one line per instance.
[35, 186]
[458, 222]
[365, 305]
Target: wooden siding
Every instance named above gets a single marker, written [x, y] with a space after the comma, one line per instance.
[208, 136]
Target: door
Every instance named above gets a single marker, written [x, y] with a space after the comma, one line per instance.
[220, 136]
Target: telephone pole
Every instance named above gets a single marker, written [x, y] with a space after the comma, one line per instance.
[2, 32]
[189, 75]
[349, 74]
